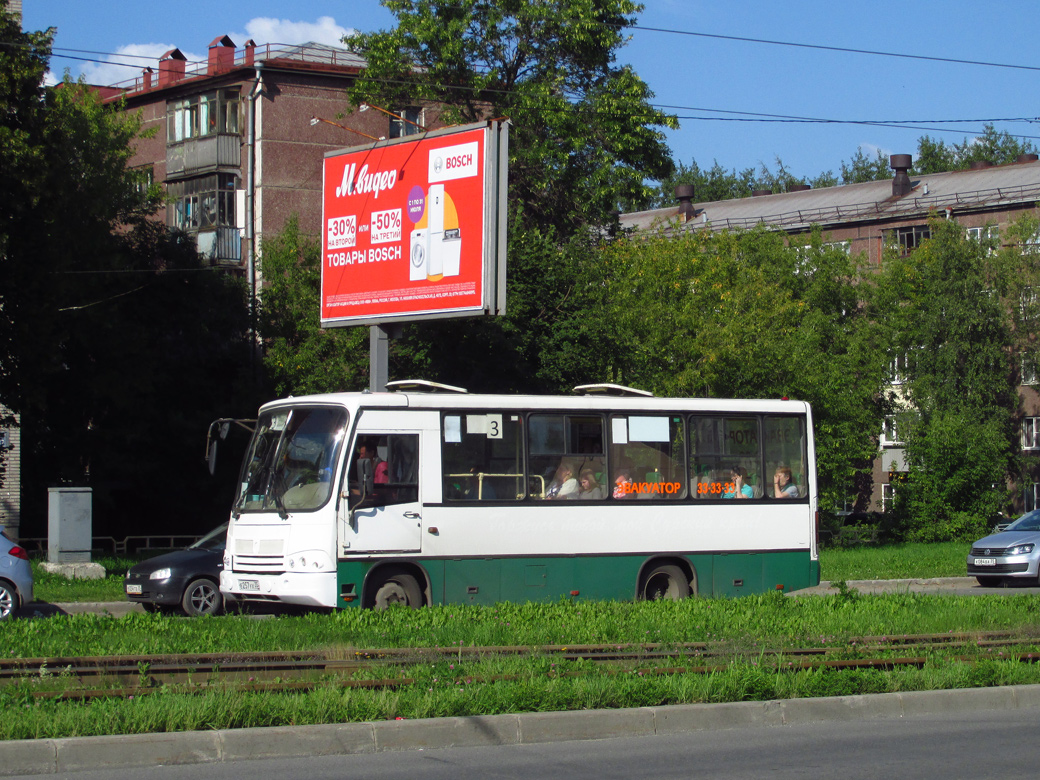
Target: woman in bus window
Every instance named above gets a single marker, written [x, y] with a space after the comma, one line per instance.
[738, 481]
[564, 485]
[590, 489]
[783, 484]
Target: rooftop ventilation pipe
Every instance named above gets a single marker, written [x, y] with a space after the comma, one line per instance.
[685, 193]
[221, 55]
[171, 67]
[901, 184]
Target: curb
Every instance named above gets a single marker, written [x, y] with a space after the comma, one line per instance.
[46, 756]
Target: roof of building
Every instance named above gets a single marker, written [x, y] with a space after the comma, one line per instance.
[974, 190]
[314, 56]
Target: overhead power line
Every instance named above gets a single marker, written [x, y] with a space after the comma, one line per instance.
[843, 49]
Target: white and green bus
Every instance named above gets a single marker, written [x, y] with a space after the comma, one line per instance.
[427, 494]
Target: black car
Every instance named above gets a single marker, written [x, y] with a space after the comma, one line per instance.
[186, 580]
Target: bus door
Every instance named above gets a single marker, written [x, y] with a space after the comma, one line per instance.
[382, 507]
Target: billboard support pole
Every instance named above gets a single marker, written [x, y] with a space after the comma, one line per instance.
[378, 358]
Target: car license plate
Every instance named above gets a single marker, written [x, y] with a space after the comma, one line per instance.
[249, 585]
[985, 561]
[135, 589]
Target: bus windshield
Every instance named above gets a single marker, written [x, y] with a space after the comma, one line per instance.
[289, 463]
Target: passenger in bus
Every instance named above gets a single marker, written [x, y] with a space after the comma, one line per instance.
[478, 488]
[564, 485]
[783, 484]
[623, 484]
[380, 471]
[738, 480]
[590, 489]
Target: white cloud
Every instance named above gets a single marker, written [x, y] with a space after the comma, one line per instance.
[129, 61]
[266, 30]
[871, 151]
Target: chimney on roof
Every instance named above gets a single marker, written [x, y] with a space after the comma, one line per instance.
[1027, 158]
[760, 193]
[221, 55]
[250, 50]
[980, 165]
[799, 187]
[146, 78]
[901, 184]
[171, 67]
[685, 193]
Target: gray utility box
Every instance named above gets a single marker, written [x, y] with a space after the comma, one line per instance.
[70, 524]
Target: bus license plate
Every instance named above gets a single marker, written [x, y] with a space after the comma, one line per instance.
[134, 589]
[985, 561]
[249, 585]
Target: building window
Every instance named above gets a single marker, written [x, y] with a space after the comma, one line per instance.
[888, 496]
[909, 238]
[1029, 373]
[889, 435]
[410, 122]
[202, 115]
[897, 369]
[845, 247]
[204, 202]
[1031, 433]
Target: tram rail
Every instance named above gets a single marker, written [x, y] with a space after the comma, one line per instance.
[82, 678]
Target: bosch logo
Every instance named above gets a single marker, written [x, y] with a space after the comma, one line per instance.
[460, 161]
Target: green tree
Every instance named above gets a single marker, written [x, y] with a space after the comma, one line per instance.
[117, 345]
[584, 136]
[998, 148]
[301, 357]
[951, 307]
[743, 315]
[863, 168]
[933, 156]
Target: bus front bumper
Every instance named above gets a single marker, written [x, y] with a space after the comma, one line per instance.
[316, 589]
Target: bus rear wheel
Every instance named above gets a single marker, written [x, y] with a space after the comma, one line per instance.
[666, 582]
[398, 588]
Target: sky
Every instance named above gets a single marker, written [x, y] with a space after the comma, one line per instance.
[741, 75]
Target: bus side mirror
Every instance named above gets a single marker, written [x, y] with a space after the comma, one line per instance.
[366, 486]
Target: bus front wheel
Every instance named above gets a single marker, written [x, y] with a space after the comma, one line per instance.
[400, 589]
[666, 582]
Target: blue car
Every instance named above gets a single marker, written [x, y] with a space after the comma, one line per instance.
[16, 581]
[182, 581]
[1010, 555]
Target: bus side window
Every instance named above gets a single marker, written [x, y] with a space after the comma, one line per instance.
[786, 454]
[482, 456]
[562, 446]
[394, 466]
[651, 450]
[721, 447]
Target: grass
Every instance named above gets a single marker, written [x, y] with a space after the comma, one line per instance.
[893, 561]
[906, 560]
[453, 686]
[54, 588]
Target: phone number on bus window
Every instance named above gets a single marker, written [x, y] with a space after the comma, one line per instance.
[716, 487]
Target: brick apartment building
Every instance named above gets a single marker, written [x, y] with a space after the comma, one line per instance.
[238, 141]
[861, 219]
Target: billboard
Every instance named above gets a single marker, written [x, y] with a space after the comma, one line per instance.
[414, 228]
